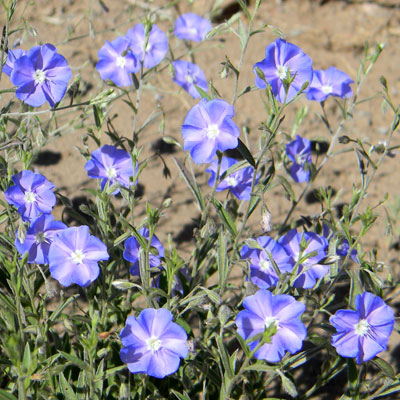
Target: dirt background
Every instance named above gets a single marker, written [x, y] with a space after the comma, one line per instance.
[330, 32]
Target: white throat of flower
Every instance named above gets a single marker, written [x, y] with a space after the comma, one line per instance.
[265, 265]
[39, 76]
[77, 257]
[270, 321]
[120, 61]
[361, 328]
[327, 89]
[189, 79]
[29, 197]
[153, 343]
[231, 181]
[301, 158]
[281, 71]
[212, 131]
[111, 172]
[41, 237]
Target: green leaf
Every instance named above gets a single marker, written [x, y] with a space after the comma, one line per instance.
[74, 360]
[244, 8]
[54, 315]
[6, 395]
[180, 396]
[202, 93]
[225, 217]
[288, 385]
[288, 188]
[385, 367]
[214, 297]
[245, 152]
[260, 367]
[242, 34]
[66, 388]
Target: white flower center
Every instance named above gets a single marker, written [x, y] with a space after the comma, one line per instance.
[153, 343]
[29, 197]
[301, 158]
[189, 78]
[121, 61]
[270, 320]
[265, 265]
[281, 71]
[362, 327]
[77, 257]
[231, 181]
[193, 31]
[212, 131]
[327, 89]
[41, 237]
[111, 172]
[39, 76]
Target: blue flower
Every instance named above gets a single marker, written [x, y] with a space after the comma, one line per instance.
[156, 48]
[112, 165]
[365, 332]
[131, 251]
[239, 182]
[264, 310]
[187, 74]
[38, 239]
[342, 246]
[32, 195]
[299, 151]
[74, 255]
[283, 59]
[330, 82]
[153, 344]
[116, 62]
[12, 55]
[192, 27]
[208, 127]
[310, 270]
[41, 75]
[262, 270]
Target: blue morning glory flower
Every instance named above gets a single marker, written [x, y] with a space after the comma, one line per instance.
[187, 74]
[153, 344]
[310, 270]
[41, 75]
[239, 182]
[112, 165]
[365, 332]
[74, 255]
[342, 246]
[12, 55]
[283, 59]
[131, 251]
[191, 26]
[262, 271]
[299, 151]
[156, 48]
[116, 62]
[330, 82]
[38, 239]
[32, 195]
[264, 310]
[208, 127]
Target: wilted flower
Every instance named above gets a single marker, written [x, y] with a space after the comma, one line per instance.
[191, 26]
[310, 269]
[299, 151]
[282, 312]
[208, 127]
[263, 273]
[284, 60]
[38, 238]
[155, 49]
[74, 255]
[32, 195]
[239, 182]
[116, 61]
[131, 251]
[41, 75]
[365, 332]
[153, 344]
[12, 55]
[330, 82]
[112, 165]
[187, 75]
